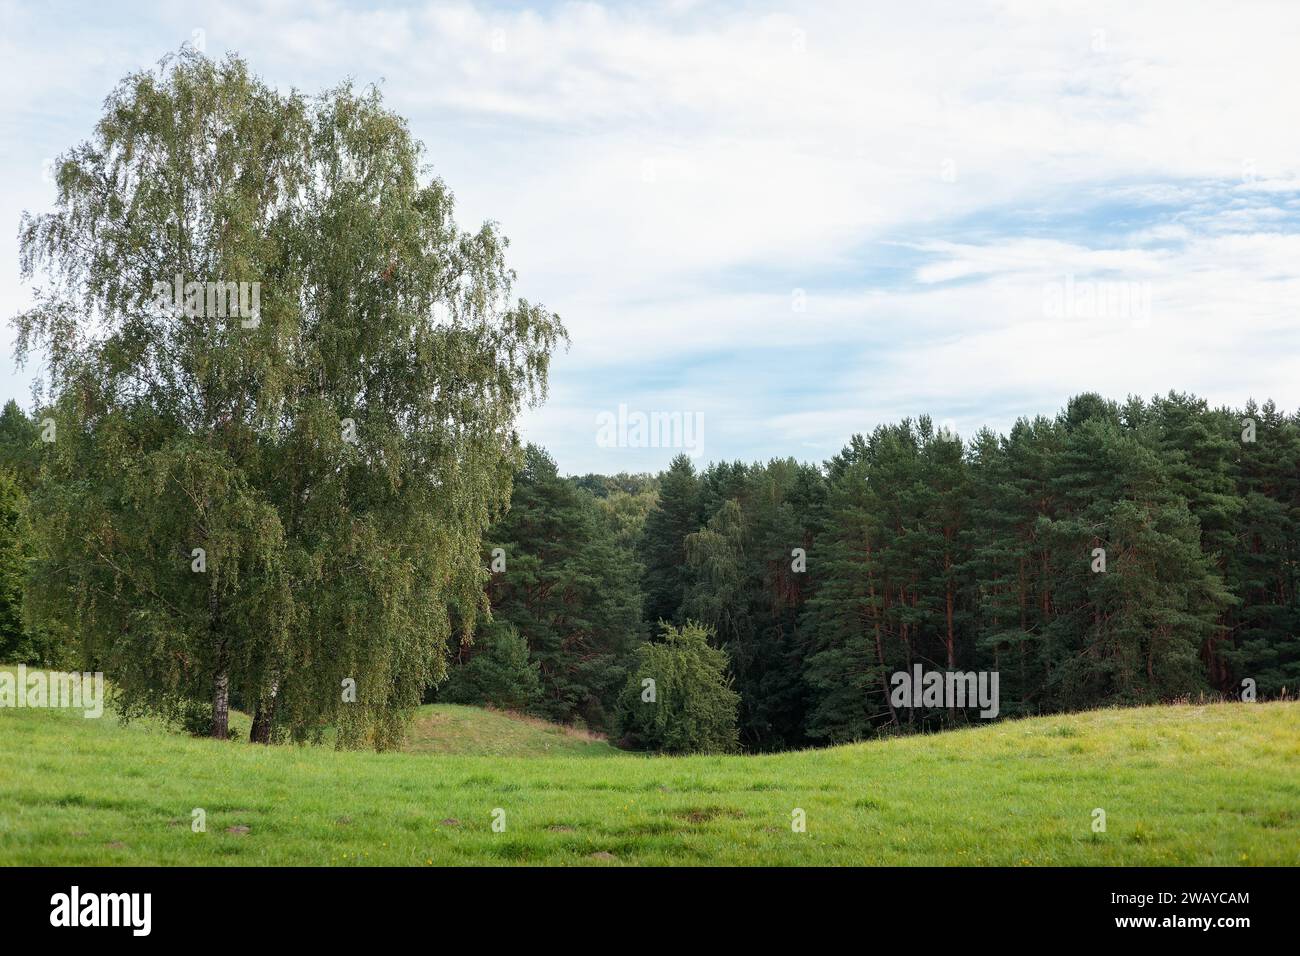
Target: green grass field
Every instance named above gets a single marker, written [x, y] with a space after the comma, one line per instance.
[1216, 784]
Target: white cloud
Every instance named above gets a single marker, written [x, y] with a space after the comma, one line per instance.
[669, 175]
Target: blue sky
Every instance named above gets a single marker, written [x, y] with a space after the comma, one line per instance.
[799, 221]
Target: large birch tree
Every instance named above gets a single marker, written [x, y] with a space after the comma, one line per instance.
[282, 386]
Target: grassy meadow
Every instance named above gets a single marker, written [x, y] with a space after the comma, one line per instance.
[1215, 784]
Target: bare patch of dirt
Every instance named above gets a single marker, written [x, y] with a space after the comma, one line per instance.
[705, 814]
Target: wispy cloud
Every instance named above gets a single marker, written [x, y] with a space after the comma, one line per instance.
[803, 221]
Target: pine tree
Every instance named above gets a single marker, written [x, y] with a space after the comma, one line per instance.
[846, 672]
[1200, 452]
[1133, 631]
[1263, 565]
[500, 672]
[675, 515]
[568, 589]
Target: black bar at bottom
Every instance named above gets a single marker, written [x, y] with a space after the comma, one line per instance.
[1217, 905]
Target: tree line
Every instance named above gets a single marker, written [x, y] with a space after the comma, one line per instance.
[1117, 553]
[1114, 554]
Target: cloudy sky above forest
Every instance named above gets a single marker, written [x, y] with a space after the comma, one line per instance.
[797, 221]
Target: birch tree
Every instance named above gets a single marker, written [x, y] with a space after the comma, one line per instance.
[284, 386]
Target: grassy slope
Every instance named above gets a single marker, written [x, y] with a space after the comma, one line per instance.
[1189, 784]
[450, 729]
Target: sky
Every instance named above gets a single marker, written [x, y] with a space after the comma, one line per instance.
[784, 224]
